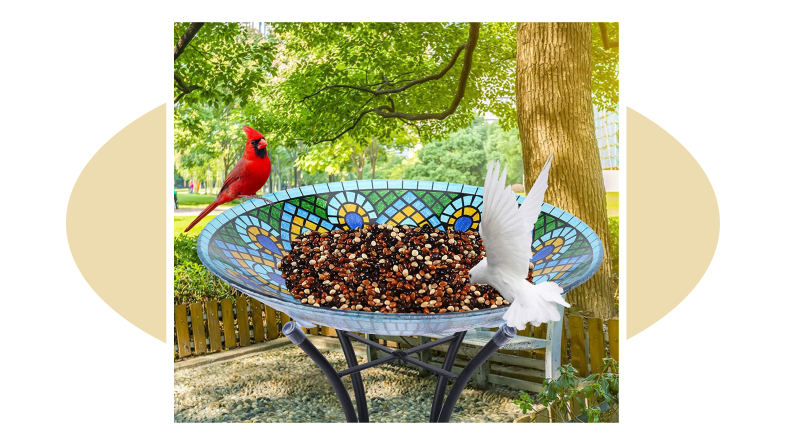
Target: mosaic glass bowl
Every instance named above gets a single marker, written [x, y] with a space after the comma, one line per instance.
[243, 245]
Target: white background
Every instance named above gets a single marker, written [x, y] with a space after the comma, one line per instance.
[714, 76]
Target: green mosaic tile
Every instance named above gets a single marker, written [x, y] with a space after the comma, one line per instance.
[389, 199]
[436, 200]
[231, 236]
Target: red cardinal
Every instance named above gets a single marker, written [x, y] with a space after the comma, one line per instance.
[247, 177]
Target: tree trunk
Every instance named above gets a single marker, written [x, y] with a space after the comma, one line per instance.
[358, 159]
[280, 182]
[555, 115]
[373, 153]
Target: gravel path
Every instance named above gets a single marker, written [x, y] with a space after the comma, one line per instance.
[284, 385]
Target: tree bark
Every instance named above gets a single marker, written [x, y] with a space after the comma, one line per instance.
[360, 164]
[226, 162]
[373, 154]
[185, 39]
[358, 156]
[280, 181]
[359, 161]
[555, 115]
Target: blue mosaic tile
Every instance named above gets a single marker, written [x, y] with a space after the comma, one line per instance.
[440, 204]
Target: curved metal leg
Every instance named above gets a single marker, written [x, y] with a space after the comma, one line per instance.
[442, 381]
[501, 337]
[357, 381]
[293, 332]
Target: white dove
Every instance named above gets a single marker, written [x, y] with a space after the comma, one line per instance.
[506, 232]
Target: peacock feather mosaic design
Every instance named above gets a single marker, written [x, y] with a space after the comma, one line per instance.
[244, 244]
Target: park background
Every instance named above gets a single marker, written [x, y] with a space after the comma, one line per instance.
[420, 101]
[309, 88]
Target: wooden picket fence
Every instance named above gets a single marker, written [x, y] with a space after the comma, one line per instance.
[585, 342]
[223, 325]
[221, 329]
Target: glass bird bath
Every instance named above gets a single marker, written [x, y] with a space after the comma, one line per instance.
[243, 245]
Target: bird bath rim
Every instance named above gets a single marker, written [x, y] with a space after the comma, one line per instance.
[251, 237]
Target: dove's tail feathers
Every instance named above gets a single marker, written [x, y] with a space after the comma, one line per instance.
[536, 305]
[552, 292]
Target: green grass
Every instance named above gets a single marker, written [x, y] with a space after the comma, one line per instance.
[189, 201]
[180, 224]
[613, 203]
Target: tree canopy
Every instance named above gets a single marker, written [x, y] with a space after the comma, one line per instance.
[334, 100]
[342, 75]
[220, 64]
[305, 83]
[360, 79]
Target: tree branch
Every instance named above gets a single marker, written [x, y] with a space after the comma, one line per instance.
[185, 39]
[348, 129]
[415, 82]
[450, 64]
[390, 111]
[467, 63]
[605, 42]
[183, 87]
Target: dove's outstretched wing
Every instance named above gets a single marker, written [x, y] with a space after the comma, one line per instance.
[505, 229]
[505, 234]
[532, 205]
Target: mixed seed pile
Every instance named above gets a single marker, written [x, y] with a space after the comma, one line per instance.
[388, 269]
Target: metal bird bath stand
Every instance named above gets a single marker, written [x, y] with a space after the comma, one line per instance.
[441, 410]
[243, 245]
